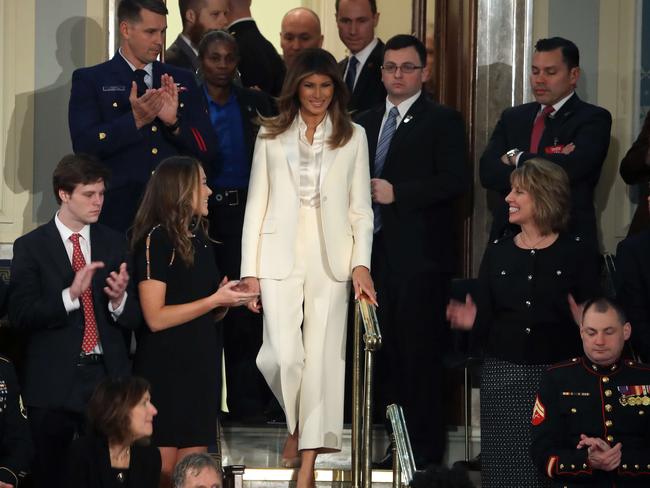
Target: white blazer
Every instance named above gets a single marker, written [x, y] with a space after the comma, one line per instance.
[271, 220]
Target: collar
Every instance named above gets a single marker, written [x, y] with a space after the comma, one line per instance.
[231, 98]
[147, 67]
[243, 19]
[558, 105]
[65, 232]
[364, 54]
[320, 128]
[404, 106]
[601, 370]
[189, 43]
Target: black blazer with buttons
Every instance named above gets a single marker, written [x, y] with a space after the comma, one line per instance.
[585, 125]
[40, 271]
[426, 164]
[369, 90]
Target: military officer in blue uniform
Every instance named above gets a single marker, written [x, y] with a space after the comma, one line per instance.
[591, 419]
[133, 111]
[15, 439]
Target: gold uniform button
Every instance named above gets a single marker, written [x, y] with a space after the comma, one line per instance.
[181, 104]
[610, 438]
[574, 410]
[102, 136]
[608, 408]
[573, 466]
[624, 466]
[584, 466]
[608, 393]
[115, 104]
[608, 423]
[636, 466]
[561, 466]
[641, 412]
[154, 128]
[605, 379]
[154, 150]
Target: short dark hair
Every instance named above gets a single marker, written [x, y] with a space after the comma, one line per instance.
[213, 36]
[77, 169]
[185, 5]
[570, 52]
[193, 463]
[603, 305]
[373, 6]
[109, 407]
[401, 41]
[130, 9]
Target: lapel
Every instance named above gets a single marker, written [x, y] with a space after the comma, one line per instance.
[58, 255]
[369, 69]
[329, 154]
[98, 252]
[412, 118]
[248, 112]
[289, 142]
[122, 71]
[188, 52]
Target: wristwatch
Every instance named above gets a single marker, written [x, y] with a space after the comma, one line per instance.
[512, 154]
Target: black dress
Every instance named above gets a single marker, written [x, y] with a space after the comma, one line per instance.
[523, 324]
[182, 363]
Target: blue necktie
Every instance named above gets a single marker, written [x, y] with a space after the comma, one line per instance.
[380, 156]
[351, 75]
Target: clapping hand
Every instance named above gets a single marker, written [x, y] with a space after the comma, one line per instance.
[462, 315]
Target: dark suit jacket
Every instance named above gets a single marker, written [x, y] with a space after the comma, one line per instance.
[260, 64]
[426, 164]
[635, 169]
[251, 104]
[369, 89]
[89, 465]
[586, 125]
[101, 123]
[181, 55]
[633, 273]
[40, 271]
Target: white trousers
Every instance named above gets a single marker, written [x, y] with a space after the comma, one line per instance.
[305, 368]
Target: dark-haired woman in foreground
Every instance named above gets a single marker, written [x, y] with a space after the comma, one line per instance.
[182, 299]
[116, 452]
[307, 234]
[522, 320]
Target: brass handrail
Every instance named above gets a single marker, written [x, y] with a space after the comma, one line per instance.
[403, 463]
[364, 313]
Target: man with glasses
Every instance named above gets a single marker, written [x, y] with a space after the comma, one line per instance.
[418, 168]
[356, 21]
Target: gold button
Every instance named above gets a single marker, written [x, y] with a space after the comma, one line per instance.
[605, 379]
[584, 466]
[610, 438]
[154, 128]
[115, 104]
[608, 423]
[641, 412]
[181, 104]
[624, 466]
[102, 136]
[608, 408]
[573, 466]
[155, 151]
[648, 466]
[608, 393]
[153, 171]
[561, 466]
[574, 410]
[636, 466]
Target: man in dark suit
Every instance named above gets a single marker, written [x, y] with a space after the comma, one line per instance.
[70, 293]
[356, 21]
[633, 291]
[260, 64]
[419, 154]
[132, 111]
[559, 127]
[198, 17]
[635, 170]
[233, 112]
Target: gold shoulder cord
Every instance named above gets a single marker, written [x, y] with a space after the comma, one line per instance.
[147, 254]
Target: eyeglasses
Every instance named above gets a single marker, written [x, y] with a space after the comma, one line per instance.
[405, 68]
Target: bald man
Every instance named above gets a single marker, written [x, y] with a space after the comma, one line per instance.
[300, 30]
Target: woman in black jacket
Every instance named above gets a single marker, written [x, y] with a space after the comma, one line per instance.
[115, 453]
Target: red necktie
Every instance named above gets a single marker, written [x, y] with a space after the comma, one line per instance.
[538, 128]
[90, 339]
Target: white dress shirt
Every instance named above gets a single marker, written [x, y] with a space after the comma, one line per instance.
[311, 156]
[362, 56]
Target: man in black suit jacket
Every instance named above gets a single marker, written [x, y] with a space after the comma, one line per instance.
[633, 293]
[198, 17]
[74, 320]
[233, 112]
[356, 21]
[574, 135]
[133, 111]
[413, 192]
[260, 64]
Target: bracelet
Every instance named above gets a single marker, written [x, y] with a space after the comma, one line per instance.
[175, 125]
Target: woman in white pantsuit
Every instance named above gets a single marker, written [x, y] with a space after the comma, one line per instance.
[308, 232]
